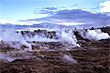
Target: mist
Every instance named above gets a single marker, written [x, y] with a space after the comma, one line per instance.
[17, 39]
[96, 34]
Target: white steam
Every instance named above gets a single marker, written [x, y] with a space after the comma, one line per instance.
[8, 35]
[94, 34]
[40, 39]
[10, 56]
[69, 59]
[67, 35]
[19, 40]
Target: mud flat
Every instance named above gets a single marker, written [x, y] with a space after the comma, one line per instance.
[92, 57]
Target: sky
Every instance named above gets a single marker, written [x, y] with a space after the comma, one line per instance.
[45, 11]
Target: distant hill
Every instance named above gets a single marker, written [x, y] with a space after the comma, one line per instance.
[42, 25]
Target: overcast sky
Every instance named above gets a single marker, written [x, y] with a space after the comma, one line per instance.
[67, 12]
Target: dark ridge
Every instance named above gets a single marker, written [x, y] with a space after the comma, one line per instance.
[105, 29]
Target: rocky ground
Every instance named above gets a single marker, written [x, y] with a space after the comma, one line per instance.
[91, 57]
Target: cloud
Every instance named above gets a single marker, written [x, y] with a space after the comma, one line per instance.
[81, 16]
[4, 21]
[76, 17]
[50, 8]
[70, 23]
[75, 5]
[46, 10]
[105, 7]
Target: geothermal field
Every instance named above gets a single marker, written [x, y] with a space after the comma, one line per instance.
[63, 50]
